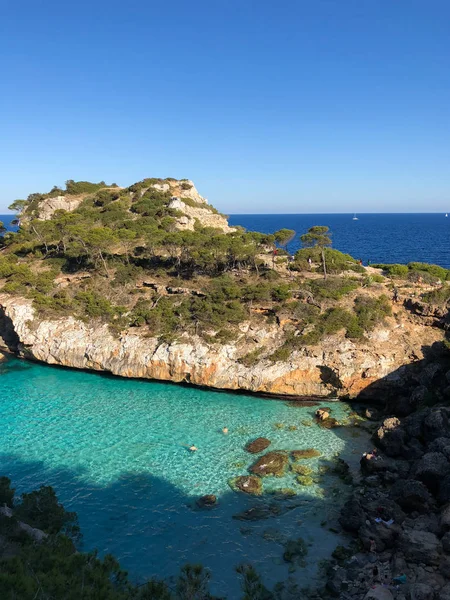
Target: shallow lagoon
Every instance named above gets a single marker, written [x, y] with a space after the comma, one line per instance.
[115, 451]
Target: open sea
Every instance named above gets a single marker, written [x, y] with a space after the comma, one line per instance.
[386, 238]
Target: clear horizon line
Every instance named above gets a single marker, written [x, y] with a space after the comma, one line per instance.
[341, 213]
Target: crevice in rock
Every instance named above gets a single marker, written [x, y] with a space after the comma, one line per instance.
[9, 340]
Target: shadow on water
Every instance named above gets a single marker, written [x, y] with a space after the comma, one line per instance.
[153, 527]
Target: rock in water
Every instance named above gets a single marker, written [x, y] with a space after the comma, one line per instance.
[257, 445]
[272, 463]
[304, 454]
[322, 414]
[248, 484]
[207, 500]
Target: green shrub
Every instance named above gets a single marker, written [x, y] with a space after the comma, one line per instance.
[251, 358]
[126, 274]
[440, 296]
[95, 306]
[83, 187]
[41, 509]
[335, 319]
[376, 278]
[434, 270]
[59, 303]
[281, 354]
[336, 261]
[333, 287]
[393, 270]
[281, 292]
[372, 311]
[422, 277]
[105, 197]
[225, 336]
[259, 292]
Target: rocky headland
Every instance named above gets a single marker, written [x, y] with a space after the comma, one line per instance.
[150, 282]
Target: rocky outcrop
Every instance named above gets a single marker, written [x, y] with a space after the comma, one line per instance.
[398, 513]
[201, 213]
[195, 208]
[49, 206]
[371, 366]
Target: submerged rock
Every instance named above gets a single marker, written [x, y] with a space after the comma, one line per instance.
[329, 423]
[248, 484]
[257, 445]
[272, 463]
[259, 513]
[295, 551]
[305, 480]
[207, 500]
[284, 493]
[300, 469]
[304, 454]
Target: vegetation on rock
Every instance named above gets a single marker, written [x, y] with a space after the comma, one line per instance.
[120, 257]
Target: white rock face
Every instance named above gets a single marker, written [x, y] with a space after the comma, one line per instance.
[197, 213]
[338, 366]
[48, 207]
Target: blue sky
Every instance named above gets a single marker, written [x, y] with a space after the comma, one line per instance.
[270, 107]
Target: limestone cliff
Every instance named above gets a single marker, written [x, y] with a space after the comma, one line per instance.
[337, 367]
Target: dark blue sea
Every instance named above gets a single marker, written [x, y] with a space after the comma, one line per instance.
[386, 238]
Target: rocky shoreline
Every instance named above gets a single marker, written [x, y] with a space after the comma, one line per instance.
[399, 514]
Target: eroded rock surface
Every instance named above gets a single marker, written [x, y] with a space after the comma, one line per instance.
[73, 343]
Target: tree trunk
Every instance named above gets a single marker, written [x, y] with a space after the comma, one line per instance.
[324, 265]
[104, 264]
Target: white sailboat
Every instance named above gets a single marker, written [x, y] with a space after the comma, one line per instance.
[446, 214]
[355, 218]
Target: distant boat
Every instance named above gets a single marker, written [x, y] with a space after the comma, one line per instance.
[446, 214]
[355, 218]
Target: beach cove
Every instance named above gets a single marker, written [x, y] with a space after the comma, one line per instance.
[115, 450]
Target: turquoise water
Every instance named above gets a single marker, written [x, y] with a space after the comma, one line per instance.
[115, 451]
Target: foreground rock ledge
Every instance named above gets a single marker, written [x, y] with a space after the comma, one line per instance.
[372, 365]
